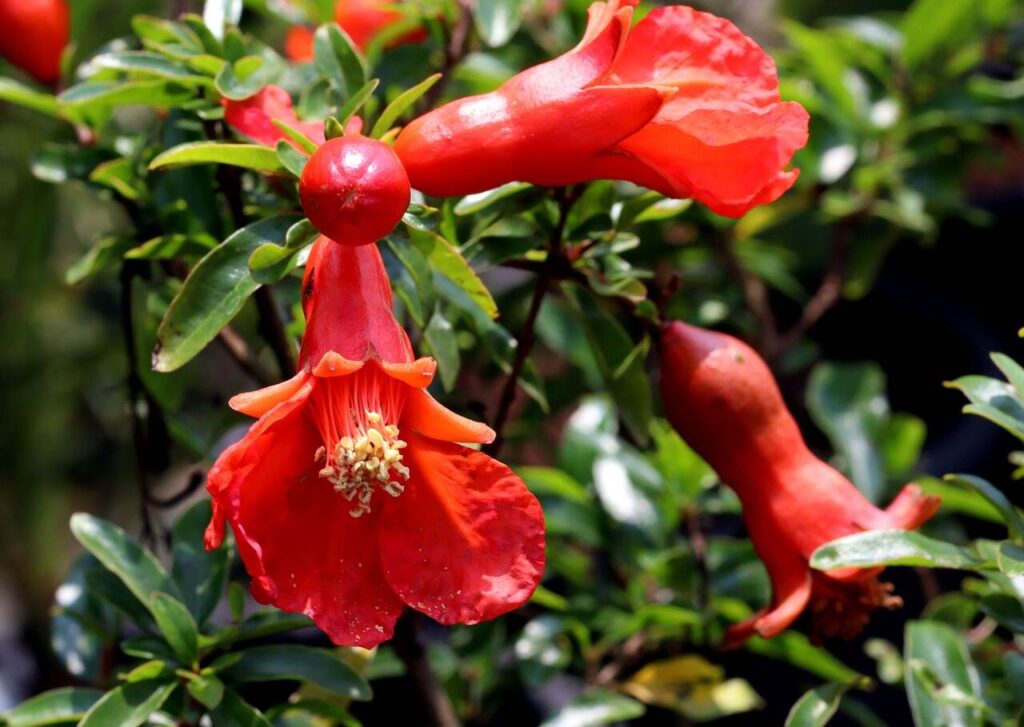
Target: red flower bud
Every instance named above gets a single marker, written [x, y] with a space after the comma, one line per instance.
[364, 19]
[721, 397]
[354, 189]
[33, 34]
[683, 103]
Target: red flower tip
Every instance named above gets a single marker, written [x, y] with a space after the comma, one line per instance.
[33, 35]
[298, 44]
[365, 19]
[683, 103]
[349, 498]
[354, 190]
[254, 117]
[719, 394]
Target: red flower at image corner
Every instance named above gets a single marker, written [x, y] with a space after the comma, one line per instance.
[720, 396]
[349, 498]
[683, 103]
[33, 34]
[363, 20]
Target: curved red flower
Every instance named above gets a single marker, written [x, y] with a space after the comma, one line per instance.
[683, 103]
[349, 497]
[254, 117]
[33, 34]
[721, 397]
[363, 20]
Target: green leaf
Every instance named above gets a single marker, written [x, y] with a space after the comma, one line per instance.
[213, 293]
[56, 706]
[28, 97]
[336, 57]
[201, 574]
[931, 25]
[473, 203]
[219, 14]
[234, 711]
[945, 652]
[796, 649]
[248, 156]
[1007, 510]
[817, 706]
[893, 547]
[104, 255]
[848, 402]
[129, 705]
[1006, 610]
[291, 158]
[170, 247]
[596, 708]
[147, 63]
[497, 20]
[356, 101]
[259, 625]
[177, 626]
[446, 259]
[444, 347]
[287, 661]
[295, 135]
[401, 103]
[206, 689]
[106, 94]
[135, 566]
[994, 400]
[119, 175]
[247, 76]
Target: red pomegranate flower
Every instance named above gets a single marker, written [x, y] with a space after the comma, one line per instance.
[719, 394]
[683, 103]
[363, 20]
[253, 117]
[349, 497]
[33, 34]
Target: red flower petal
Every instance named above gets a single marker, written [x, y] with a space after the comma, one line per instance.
[254, 117]
[298, 44]
[295, 535]
[427, 416]
[465, 541]
[347, 300]
[259, 402]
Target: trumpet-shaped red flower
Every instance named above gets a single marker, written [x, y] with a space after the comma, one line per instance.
[683, 103]
[363, 20]
[33, 34]
[719, 394]
[254, 117]
[349, 497]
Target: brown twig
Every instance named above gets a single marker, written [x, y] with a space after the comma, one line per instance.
[454, 52]
[754, 292]
[700, 555]
[238, 350]
[528, 334]
[409, 649]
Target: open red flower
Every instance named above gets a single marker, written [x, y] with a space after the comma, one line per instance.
[683, 103]
[254, 117]
[719, 394]
[349, 497]
[33, 34]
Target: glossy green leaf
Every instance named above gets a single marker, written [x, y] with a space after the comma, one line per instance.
[474, 203]
[234, 711]
[446, 259]
[206, 689]
[246, 76]
[336, 58]
[286, 661]
[401, 104]
[497, 20]
[259, 625]
[946, 655]
[355, 102]
[213, 293]
[170, 247]
[129, 705]
[596, 708]
[994, 400]
[177, 626]
[57, 706]
[893, 547]
[817, 706]
[931, 25]
[1007, 510]
[30, 98]
[848, 402]
[444, 347]
[296, 135]
[135, 566]
[219, 14]
[796, 649]
[248, 156]
[106, 94]
[106, 254]
[147, 63]
[291, 158]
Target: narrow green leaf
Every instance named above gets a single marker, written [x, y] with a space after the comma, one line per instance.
[295, 135]
[135, 566]
[931, 25]
[177, 626]
[248, 156]
[336, 57]
[234, 711]
[291, 158]
[441, 336]
[147, 63]
[399, 106]
[497, 20]
[206, 689]
[288, 661]
[1013, 372]
[446, 259]
[104, 255]
[596, 708]
[473, 203]
[105, 94]
[129, 705]
[796, 649]
[28, 97]
[56, 706]
[893, 547]
[356, 101]
[817, 706]
[945, 652]
[1007, 510]
[213, 293]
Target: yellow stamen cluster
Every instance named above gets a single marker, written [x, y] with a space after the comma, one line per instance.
[361, 464]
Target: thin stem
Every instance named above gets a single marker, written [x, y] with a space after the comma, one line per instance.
[238, 350]
[454, 52]
[754, 292]
[409, 649]
[700, 555]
